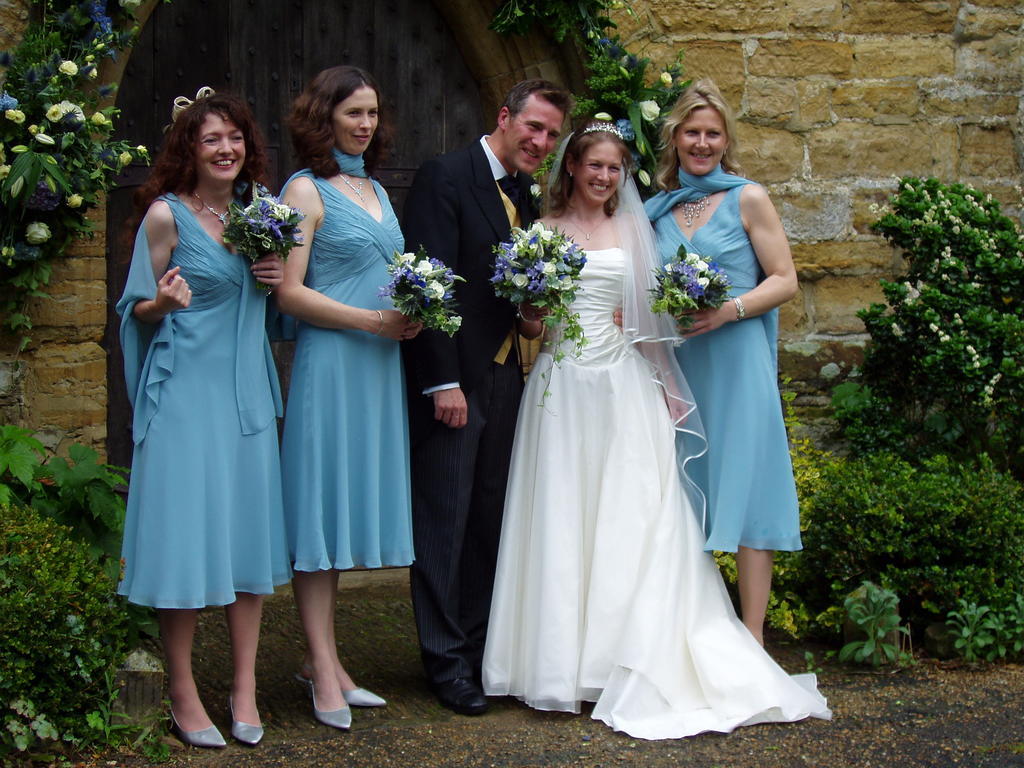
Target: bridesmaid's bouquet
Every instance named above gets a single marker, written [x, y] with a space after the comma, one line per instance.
[541, 267]
[688, 282]
[422, 289]
[264, 226]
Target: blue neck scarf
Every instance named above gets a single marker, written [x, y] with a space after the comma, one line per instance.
[692, 188]
[351, 165]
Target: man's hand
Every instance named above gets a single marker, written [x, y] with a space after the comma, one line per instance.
[450, 407]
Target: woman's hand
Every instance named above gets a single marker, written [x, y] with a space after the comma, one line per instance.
[394, 325]
[617, 317]
[705, 320]
[269, 270]
[172, 292]
[677, 410]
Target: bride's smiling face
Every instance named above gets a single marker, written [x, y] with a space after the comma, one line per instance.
[596, 176]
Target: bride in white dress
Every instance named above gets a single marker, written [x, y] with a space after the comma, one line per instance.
[603, 592]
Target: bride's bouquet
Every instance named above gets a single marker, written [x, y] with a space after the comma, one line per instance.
[541, 267]
[422, 289]
[686, 283]
[264, 226]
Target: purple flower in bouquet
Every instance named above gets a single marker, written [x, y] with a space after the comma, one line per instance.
[541, 266]
[423, 289]
[263, 227]
[686, 283]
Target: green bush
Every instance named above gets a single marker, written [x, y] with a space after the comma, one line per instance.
[63, 632]
[943, 372]
[934, 534]
[79, 492]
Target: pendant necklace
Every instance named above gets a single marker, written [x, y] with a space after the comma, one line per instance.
[221, 217]
[357, 188]
[694, 209]
[593, 230]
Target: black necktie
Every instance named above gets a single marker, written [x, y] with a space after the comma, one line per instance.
[510, 186]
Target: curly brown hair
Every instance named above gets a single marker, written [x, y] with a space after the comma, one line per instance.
[587, 135]
[174, 169]
[311, 126]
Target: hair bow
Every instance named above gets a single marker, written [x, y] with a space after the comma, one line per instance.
[181, 103]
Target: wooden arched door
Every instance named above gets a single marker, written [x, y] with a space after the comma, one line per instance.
[266, 50]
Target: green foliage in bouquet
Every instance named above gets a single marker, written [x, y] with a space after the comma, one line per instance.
[57, 156]
[944, 372]
[934, 534]
[63, 633]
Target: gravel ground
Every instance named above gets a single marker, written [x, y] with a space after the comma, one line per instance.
[931, 715]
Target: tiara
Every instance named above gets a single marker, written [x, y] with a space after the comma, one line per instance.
[181, 103]
[604, 127]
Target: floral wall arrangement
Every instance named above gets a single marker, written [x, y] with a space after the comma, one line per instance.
[622, 87]
[56, 153]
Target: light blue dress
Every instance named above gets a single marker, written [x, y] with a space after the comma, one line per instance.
[746, 474]
[345, 454]
[204, 516]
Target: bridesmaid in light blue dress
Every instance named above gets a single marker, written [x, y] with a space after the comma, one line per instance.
[729, 357]
[346, 446]
[205, 524]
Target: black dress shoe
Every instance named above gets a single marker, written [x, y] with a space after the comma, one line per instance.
[461, 695]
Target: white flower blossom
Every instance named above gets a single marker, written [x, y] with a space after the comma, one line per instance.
[520, 280]
[37, 233]
[68, 68]
[649, 110]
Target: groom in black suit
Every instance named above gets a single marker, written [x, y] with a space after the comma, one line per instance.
[464, 391]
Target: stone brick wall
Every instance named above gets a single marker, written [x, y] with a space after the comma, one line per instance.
[835, 100]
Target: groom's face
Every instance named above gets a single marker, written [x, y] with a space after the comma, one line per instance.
[526, 138]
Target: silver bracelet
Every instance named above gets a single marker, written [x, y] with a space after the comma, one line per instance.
[741, 311]
[381, 316]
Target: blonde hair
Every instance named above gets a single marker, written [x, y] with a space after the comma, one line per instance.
[703, 93]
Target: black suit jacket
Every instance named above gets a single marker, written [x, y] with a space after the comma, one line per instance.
[455, 212]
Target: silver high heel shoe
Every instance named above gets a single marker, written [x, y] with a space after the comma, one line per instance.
[244, 732]
[358, 697]
[208, 738]
[336, 718]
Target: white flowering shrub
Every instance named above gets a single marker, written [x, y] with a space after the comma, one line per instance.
[944, 372]
[57, 151]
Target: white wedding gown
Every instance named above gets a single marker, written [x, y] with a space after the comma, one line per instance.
[603, 591]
